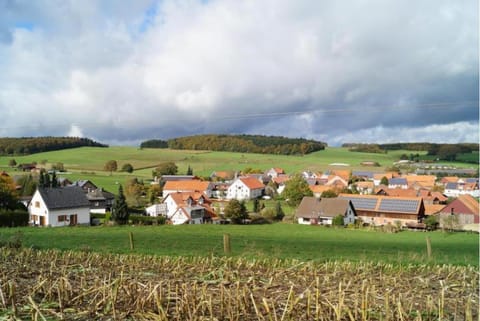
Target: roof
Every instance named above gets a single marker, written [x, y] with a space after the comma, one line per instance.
[166, 178]
[431, 209]
[451, 185]
[400, 192]
[251, 183]
[423, 180]
[312, 207]
[469, 202]
[397, 181]
[190, 185]
[64, 197]
[377, 203]
[367, 174]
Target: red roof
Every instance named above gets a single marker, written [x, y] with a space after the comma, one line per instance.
[252, 183]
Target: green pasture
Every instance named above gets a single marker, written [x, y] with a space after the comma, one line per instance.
[88, 162]
[284, 241]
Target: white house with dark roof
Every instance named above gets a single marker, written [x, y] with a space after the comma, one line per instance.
[59, 207]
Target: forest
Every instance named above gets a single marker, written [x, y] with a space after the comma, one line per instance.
[240, 143]
[32, 145]
[449, 152]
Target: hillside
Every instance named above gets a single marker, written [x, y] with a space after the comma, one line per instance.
[240, 143]
[32, 145]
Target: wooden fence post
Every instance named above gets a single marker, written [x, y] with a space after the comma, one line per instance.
[226, 244]
[130, 237]
[429, 248]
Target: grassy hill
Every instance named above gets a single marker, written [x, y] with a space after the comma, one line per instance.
[88, 162]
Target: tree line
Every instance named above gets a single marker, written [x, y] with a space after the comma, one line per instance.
[32, 145]
[448, 152]
[240, 143]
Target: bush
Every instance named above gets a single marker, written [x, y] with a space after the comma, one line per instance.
[147, 220]
[431, 223]
[337, 221]
[14, 218]
[14, 242]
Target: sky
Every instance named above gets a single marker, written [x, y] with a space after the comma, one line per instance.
[121, 72]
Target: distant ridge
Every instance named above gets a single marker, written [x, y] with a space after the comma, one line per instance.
[32, 145]
[240, 143]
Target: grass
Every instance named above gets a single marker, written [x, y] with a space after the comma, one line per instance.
[88, 162]
[281, 241]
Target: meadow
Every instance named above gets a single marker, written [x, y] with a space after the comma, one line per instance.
[88, 162]
[276, 241]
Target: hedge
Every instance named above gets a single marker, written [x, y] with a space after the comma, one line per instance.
[13, 218]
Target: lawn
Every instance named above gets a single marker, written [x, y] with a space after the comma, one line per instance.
[284, 241]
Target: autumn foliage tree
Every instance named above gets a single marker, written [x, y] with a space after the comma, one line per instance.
[111, 166]
[295, 189]
[8, 195]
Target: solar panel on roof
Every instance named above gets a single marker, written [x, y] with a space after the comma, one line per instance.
[364, 203]
[398, 205]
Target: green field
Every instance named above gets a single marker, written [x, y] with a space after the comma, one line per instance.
[88, 162]
[283, 241]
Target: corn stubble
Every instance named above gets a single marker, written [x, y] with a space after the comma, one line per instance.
[52, 285]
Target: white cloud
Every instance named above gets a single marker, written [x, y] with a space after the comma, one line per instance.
[122, 73]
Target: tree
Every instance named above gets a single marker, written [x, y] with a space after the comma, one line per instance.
[41, 179]
[120, 210]
[154, 192]
[256, 205]
[12, 163]
[54, 182]
[337, 220]
[279, 214]
[295, 189]
[134, 190]
[167, 168]
[127, 168]
[111, 166]
[48, 182]
[8, 195]
[431, 223]
[189, 170]
[271, 189]
[58, 167]
[236, 211]
[384, 181]
[330, 193]
[27, 184]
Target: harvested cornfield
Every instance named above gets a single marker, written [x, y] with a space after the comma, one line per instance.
[46, 285]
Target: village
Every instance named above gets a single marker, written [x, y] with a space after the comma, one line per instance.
[361, 198]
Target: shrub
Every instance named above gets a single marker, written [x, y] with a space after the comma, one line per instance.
[337, 221]
[14, 218]
[431, 222]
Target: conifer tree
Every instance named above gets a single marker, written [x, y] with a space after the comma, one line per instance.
[120, 210]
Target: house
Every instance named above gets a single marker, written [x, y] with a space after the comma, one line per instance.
[377, 177]
[366, 175]
[313, 210]
[462, 187]
[421, 181]
[188, 208]
[245, 188]
[100, 201]
[157, 210]
[85, 185]
[317, 190]
[382, 210]
[187, 186]
[59, 206]
[465, 208]
[398, 182]
[366, 187]
[27, 167]
[222, 175]
[274, 172]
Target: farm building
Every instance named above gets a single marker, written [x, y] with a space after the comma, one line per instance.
[322, 211]
[382, 210]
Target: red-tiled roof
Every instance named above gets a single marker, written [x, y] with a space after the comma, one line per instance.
[252, 183]
[193, 185]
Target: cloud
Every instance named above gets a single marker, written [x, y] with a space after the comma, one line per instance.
[159, 69]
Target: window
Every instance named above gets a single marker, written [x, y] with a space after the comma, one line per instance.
[37, 204]
[62, 218]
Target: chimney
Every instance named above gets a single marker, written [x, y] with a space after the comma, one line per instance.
[451, 211]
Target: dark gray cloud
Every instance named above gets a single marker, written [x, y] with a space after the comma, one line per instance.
[328, 70]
